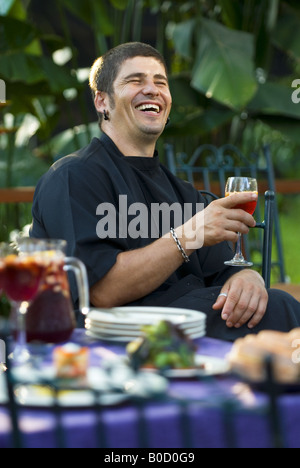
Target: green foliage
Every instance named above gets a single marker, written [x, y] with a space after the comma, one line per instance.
[230, 50]
[232, 65]
[221, 56]
[218, 70]
[290, 237]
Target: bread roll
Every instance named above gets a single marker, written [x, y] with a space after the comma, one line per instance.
[248, 356]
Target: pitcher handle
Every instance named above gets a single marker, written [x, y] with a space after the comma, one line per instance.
[79, 269]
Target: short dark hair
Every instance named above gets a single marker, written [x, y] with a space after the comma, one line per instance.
[106, 68]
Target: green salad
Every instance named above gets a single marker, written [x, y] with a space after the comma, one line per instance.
[163, 346]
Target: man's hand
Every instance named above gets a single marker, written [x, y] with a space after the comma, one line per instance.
[222, 221]
[219, 222]
[246, 300]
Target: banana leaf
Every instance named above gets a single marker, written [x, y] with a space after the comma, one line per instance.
[15, 34]
[275, 99]
[223, 65]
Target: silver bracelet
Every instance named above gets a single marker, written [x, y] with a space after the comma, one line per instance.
[179, 246]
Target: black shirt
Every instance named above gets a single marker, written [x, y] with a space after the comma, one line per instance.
[99, 192]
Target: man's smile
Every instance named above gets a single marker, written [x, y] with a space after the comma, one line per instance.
[149, 107]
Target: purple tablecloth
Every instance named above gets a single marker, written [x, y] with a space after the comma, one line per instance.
[218, 412]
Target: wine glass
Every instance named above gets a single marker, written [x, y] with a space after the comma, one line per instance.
[234, 185]
[22, 276]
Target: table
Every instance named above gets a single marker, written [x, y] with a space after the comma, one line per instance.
[210, 413]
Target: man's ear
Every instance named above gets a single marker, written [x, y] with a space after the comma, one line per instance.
[100, 101]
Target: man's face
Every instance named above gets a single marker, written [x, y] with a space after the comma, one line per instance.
[142, 99]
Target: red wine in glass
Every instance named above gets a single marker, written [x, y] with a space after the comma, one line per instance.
[250, 207]
[21, 280]
[22, 277]
[238, 185]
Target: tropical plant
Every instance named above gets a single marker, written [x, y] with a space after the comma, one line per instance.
[232, 67]
[240, 62]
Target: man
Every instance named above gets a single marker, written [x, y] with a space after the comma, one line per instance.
[92, 199]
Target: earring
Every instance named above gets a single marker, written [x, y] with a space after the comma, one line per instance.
[105, 115]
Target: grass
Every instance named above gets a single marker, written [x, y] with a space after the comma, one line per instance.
[289, 222]
[289, 209]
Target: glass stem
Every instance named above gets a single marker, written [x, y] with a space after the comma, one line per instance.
[20, 353]
[22, 323]
[238, 253]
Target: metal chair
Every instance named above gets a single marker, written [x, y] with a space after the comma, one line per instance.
[208, 168]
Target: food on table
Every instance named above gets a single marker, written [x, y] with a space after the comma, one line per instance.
[71, 361]
[163, 346]
[248, 356]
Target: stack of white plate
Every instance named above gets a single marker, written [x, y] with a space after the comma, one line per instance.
[125, 323]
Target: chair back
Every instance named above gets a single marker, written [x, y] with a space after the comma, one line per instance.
[208, 169]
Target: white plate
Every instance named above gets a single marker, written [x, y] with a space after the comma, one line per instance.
[33, 391]
[137, 316]
[99, 328]
[211, 366]
[127, 337]
[89, 324]
[123, 324]
[117, 338]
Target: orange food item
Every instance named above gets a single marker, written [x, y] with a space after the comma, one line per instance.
[71, 361]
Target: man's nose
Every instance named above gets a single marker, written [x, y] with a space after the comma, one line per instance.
[150, 88]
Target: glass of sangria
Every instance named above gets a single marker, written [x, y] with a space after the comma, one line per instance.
[234, 185]
[21, 278]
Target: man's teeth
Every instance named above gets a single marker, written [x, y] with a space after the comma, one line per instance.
[151, 107]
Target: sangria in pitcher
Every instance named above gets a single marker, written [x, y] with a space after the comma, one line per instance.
[50, 317]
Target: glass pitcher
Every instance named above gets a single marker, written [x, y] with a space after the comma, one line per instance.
[50, 317]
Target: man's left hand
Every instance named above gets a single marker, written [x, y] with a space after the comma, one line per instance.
[243, 299]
